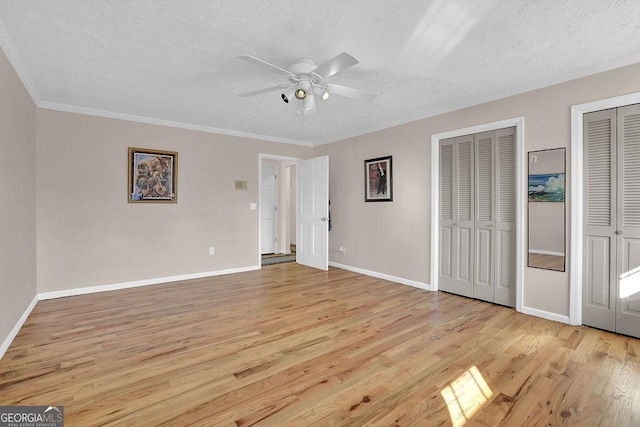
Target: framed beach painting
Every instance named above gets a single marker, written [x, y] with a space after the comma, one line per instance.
[547, 187]
[378, 182]
[153, 176]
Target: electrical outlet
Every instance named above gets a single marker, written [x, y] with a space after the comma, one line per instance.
[342, 251]
[212, 250]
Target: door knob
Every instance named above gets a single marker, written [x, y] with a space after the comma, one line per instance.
[619, 232]
[323, 219]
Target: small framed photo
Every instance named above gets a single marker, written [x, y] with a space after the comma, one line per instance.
[153, 176]
[378, 182]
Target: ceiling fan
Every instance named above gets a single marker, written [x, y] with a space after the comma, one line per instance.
[307, 81]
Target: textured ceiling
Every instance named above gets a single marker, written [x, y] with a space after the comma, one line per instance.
[176, 60]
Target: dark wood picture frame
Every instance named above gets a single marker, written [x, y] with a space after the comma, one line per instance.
[153, 176]
[378, 180]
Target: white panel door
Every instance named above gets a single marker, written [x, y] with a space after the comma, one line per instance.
[312, 238]
[268, 210]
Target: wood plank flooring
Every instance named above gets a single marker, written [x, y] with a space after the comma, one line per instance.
[291, 346]
[547, 262]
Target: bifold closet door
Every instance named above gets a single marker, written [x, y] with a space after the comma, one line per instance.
[611, 297]
[599, 296]
[456, 215]
[628, 221]
[477, 216]
[495, 236]
[484, 271]
[505, 217]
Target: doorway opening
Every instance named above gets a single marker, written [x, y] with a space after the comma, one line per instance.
[277, 209]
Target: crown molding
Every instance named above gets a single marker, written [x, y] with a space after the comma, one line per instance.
[15, 60]
[161, 122]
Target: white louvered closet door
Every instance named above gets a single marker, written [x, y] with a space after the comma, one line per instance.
[495, 217]
[445, 231]
[599, 296]
[505, 222]
[477, 216]
[611, 297]
[456, 215]
[484, 283]
[628, 221]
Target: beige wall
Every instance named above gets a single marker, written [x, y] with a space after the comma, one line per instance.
[89, 235]
[385, 237]
[394, 238]
[18, 206]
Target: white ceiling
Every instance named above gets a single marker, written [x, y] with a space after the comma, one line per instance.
[175, 61]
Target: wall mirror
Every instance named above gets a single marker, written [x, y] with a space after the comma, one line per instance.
[547, 209]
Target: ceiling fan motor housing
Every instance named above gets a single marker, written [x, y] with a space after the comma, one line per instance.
[303, 77]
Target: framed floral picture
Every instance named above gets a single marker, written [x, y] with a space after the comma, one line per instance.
[153, 176]
[378, 182]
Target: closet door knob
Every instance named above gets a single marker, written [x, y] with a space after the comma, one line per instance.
[618, 232]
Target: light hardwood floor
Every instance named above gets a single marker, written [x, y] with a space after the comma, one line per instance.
[547, 262]
[289, 345]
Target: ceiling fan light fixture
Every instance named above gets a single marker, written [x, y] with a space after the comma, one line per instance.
[287, 95]
[325, 95]
[301, 94]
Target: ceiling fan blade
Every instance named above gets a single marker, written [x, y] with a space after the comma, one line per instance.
[261, 91]
[350, 92]
[264, 64]
[335, 65]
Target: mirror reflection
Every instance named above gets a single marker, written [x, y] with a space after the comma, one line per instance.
[547, 209]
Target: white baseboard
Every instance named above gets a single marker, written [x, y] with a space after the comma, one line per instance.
[407, 282]
[7, 342]
[546, 315]
[138, 283]
[541, 252]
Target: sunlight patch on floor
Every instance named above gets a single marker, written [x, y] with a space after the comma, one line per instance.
[465, 395]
